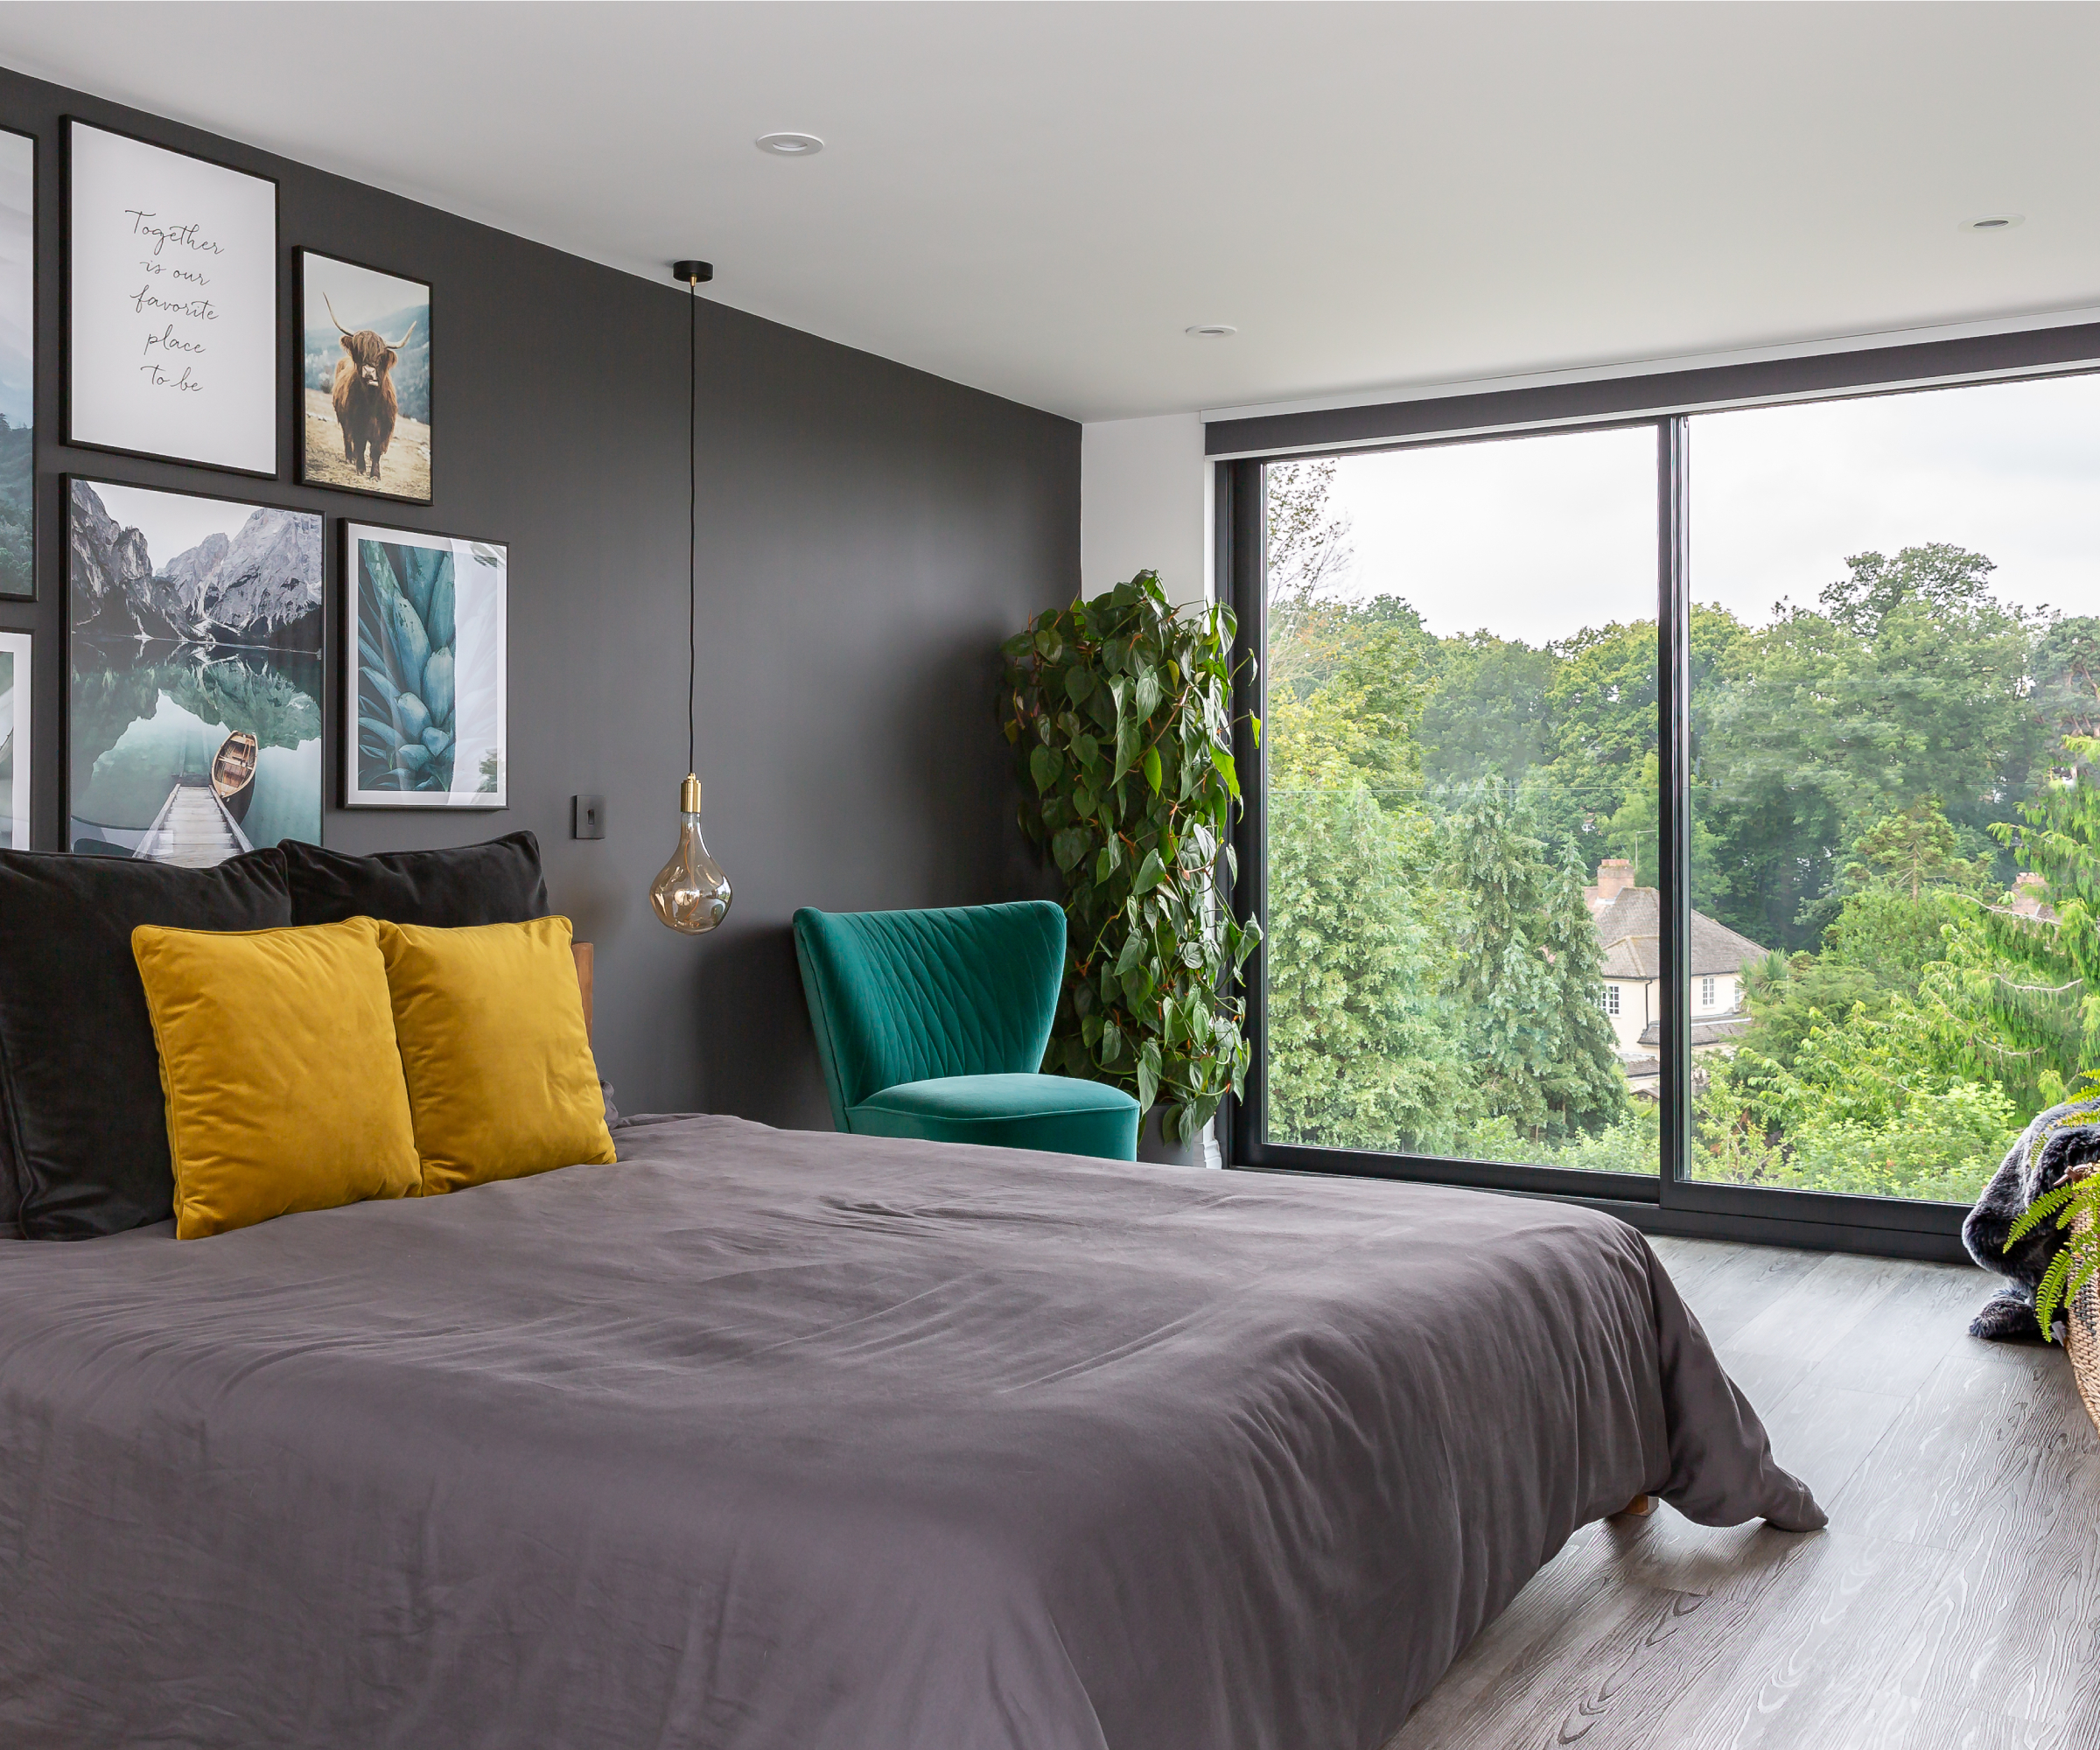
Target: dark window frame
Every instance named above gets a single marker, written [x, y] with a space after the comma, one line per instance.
[1669, 1202]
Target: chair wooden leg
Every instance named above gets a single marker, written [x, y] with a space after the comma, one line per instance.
[1640, 1507]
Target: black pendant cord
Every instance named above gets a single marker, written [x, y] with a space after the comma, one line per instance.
[692, 515]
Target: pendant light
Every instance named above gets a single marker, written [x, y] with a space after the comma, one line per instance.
[691, 894]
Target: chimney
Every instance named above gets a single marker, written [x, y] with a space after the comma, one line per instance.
[1615, 876]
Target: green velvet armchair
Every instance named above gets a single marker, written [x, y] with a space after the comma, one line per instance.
[933, 1024]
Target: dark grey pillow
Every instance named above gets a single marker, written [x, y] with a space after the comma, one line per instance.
[496, 883]
[80, 1102]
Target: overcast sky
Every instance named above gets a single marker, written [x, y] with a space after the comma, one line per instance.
[1536, 537]
[172, 523]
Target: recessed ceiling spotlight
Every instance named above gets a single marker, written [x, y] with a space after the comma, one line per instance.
[1210, 331]
[1997, 222]
[789, 145]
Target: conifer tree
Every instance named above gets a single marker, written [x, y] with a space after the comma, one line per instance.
[1527, 972]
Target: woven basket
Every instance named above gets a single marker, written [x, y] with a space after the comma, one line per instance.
[2083, 1320]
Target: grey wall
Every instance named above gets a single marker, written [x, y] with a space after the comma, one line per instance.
[868, 533]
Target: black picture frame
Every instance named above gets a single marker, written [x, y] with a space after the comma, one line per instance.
[70, 341]
[72, 638]
[329, 472]
[28, 591]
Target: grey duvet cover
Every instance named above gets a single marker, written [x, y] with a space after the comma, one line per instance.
[813, 1442]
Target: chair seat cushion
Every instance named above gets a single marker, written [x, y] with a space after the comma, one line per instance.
[1059, 1113]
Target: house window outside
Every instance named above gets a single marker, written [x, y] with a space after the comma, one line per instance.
[1706, 1002]
[1611, 999]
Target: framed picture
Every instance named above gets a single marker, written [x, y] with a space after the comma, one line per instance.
[194, 706]
[424, 723]
[17, 365]
[16, 766]
[364, 380]
[171, 305]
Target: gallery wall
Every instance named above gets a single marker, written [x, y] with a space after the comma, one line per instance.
[868, 533]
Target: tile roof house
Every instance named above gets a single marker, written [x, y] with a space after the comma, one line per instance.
[1627, 921]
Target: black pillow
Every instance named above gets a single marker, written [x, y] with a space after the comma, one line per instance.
[496, 883]
[80, 1078]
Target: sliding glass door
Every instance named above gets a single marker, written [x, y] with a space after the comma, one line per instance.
[1461, 781]
[1677, 811]
[1894, 633]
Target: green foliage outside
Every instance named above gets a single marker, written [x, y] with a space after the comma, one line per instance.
[1118, 710]
[1871, 774]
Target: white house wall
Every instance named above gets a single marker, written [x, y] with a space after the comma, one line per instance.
[1638, 1006]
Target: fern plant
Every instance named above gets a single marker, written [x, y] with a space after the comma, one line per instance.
[2077, 1260]
[1119, 713]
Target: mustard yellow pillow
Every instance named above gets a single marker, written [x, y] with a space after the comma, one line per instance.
[501, 1081]
[277, 1063]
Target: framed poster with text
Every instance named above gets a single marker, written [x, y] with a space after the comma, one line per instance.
[171, 305]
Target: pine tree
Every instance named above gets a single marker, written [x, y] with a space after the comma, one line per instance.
[1362, 1049]
[2048, 1002]
[1527, 973]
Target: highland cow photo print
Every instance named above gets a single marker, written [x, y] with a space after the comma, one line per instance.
[424, 686]
[364, 380]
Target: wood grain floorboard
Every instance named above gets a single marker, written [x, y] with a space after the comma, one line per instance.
[1824, 1434]
[2012, 1494]
[1728, 1285]
[1954, 1602]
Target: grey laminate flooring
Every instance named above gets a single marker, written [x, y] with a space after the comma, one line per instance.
[1954, 1604]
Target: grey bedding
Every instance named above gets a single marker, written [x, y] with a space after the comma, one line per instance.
[767, 1438]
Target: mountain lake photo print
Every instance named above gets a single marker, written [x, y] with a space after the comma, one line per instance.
[196, 682]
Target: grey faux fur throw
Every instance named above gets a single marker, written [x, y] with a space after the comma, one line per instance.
[2062, 1137]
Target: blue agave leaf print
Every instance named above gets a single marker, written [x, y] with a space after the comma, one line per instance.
[406, 628]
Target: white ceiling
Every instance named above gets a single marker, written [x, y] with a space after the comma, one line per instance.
[1038, 198]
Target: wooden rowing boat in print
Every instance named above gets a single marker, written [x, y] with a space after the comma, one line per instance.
[233, 773]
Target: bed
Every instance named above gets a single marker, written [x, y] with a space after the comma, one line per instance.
[784, 1441]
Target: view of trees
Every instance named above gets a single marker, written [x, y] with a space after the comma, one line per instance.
[1871, 774]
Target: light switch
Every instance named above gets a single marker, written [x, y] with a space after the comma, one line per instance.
[587, 817]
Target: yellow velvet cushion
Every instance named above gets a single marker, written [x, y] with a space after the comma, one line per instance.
[490, 1023]
[277, 1062]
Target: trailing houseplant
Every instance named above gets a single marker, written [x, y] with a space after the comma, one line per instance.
[1119, 711]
